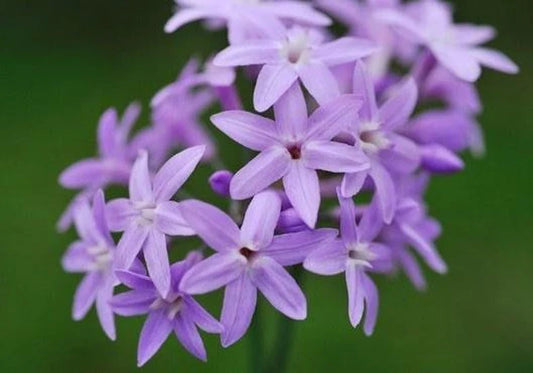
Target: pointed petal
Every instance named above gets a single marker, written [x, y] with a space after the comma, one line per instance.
[213, 226]
[188, 335]
[175, 172]
[459, 61]
[99, 216]
[240, 298]
[303, 190]
[328, 259]
[363, 87]
[330, 119]
[86, 295]
[273, 81]
[385, 191]
[119, 214]
[403, 157]
[213, 273]
[134, 280]
[495, 60]
[292, 248]
[104, 310]
[411, 269]
[425, 249]
[344, 50]
[133, 303]
[334, 157]
[261, 172]
[260, 220]
[438, 159]
[202, 318]
[372, 304]
[349, 229]
[83, 174]
[290, 112]
[353, 183]
[155, 332]
[140, 183]
[184, 16]
[297, 11]
[76, 258]
[371, 222]
[259, 53]
[398, 108]
[252, 131]
[156, 256]
[107, 138]
[356, 300]
[473, 34]
[170, 221]
[319, 81]
[279, 288]
[130, 244]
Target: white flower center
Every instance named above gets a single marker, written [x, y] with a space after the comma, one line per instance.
[361, 255]
[372, 137]
[172, 306]
[296, 49]
[146, 212]
[102, 257]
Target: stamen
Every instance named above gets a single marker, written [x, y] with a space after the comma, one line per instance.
[295, 151]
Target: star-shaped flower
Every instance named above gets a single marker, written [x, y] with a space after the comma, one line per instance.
[177, 311]
[354, 253]
[148, 216]
[249, 259]
[293, 148]
[298, 54]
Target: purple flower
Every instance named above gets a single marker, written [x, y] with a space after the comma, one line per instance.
[376, 134]
[455, 46]
[354, 253]
[93, 255]
[293, 148]
[148, 216]
[249, 259]
[246, 19]
[177, 312]
[114, 162]
[298, 54]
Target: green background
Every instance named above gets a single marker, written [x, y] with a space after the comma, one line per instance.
[63, 62]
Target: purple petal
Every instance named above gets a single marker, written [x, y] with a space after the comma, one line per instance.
[250, 130]
[273, 81]
[156, 256]
[385, 191]
[213, 273]
[135, 281]
[297, 11]
[279, 288]
[202, 318]
[438, 159]
[403, 157]
[86, 295]
[133, 303]
[411, 269]
[372, 304]
[260, 52]
[327, 260]
[473, 34]
[219, 182]
[334, 157]
[107, 139]
[399, 107]
[371, 222]
[261, 172]
[84, 173]
[240, 298]
[129, 245]
[155, 332]
[356, 294]
[330, 119]
[119, 214]
[260, 220]
[175, 172]
[104, 310]
[140, 184]
[184, 16]
[169, 220]
[213, 226]
[495, 60]
[425, 249]
[99, 216]
[353, 183]
[76, 258]
[290, 112]
[363, 87]
[303, 190]
[292, 248]
[349, 229]
[459, 61]
[85, 224]
[344, 50]
[319, 81]
[188, 335]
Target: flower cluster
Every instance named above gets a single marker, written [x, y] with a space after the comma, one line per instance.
[361, 121]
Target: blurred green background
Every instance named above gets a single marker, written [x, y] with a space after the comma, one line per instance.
[63, 62]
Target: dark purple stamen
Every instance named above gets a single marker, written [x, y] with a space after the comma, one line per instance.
[295, 152]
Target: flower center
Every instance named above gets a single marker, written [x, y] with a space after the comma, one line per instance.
[372, 138]
[361, 255]
[172, 305]
[295, 151]
[102, 257]
[296, 48]
[247, 253]
[146, 212]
